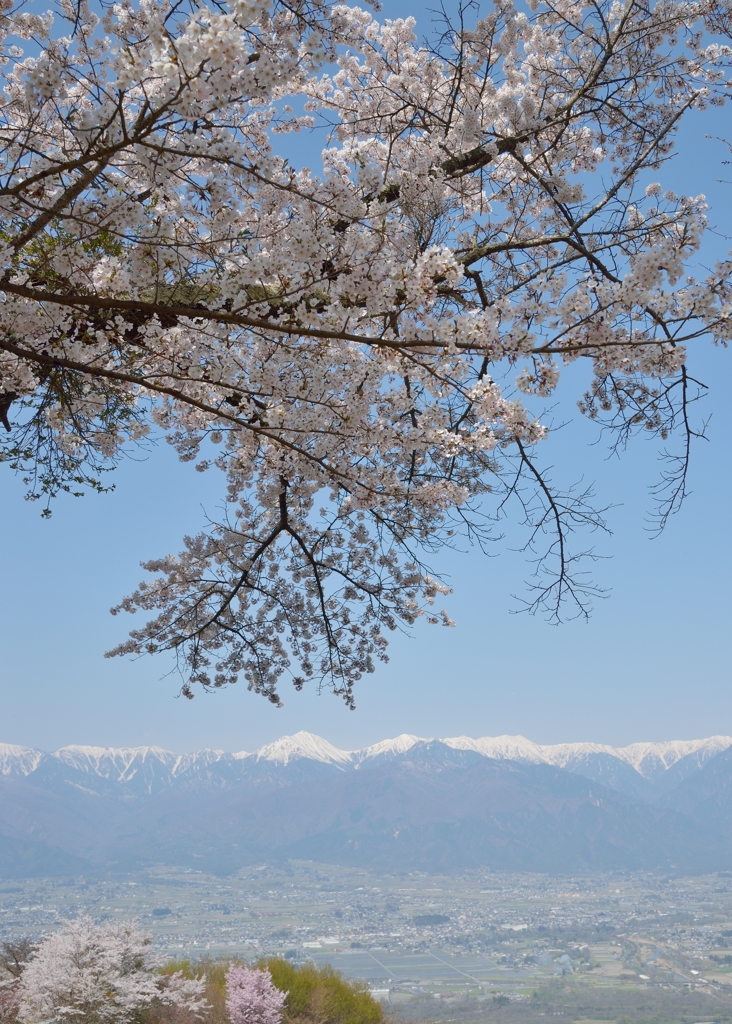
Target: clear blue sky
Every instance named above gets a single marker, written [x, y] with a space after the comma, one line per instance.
[653, 663]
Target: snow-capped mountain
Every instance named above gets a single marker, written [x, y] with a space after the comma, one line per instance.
[388, 748]
[302, 745]
[406, 802]
[15, 760]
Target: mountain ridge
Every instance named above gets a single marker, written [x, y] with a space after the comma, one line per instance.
[645, 757]
[400, 804]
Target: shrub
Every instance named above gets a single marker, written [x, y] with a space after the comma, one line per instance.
[321, 995]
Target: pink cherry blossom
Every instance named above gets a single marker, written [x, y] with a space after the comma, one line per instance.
[251, 997]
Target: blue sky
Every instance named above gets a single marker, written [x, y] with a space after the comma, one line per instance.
[653, 663]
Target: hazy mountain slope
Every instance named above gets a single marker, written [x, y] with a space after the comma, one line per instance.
[489, 813]
[612, 772]
[706, 796]
[23, 858]
[498, 814]
[687, 766]
[73, 819]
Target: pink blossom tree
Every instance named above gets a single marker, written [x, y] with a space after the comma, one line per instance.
[251, 997]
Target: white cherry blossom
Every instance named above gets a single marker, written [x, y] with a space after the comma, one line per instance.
[360, 348]
[99, 974]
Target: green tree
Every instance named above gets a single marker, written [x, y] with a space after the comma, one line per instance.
[321, 995]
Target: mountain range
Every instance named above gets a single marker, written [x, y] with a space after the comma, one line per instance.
[405, 803]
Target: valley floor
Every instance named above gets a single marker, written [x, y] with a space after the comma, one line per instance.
[509, 948]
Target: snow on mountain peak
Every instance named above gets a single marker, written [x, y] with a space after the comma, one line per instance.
[399, 745]
[502, 748]
[303, 745]
[113, 762]
[16, 760]
[183, 762]
[655, 758]
[562, 754]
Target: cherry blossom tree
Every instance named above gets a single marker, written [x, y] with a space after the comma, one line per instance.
[364, 352]
[99, 974]
[251, 997]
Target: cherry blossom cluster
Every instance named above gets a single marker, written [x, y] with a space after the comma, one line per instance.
[251, 996]
[105, 973]
[360, 349]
